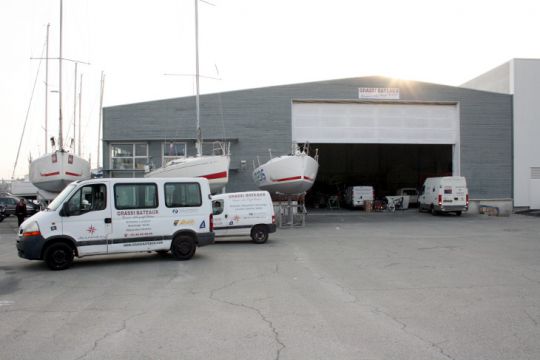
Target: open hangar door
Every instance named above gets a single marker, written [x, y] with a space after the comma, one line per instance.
[386, 167]
[388, 145]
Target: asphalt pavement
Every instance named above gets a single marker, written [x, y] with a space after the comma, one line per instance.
[349, 285]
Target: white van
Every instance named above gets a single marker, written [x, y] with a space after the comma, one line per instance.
[356, 195]
[410, 194]
[110, 216]
[244, 213]
[444, 194]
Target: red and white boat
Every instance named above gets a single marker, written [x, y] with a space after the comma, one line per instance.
[215, 168]
[288, 174]
[53, 171]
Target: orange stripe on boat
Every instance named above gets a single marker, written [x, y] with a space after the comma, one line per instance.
[218, 175]
[288, 179]
[72, 174]
[51, 173]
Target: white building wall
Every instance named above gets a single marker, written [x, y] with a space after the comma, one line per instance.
[520, 77]
[526, 89]
[496, 80]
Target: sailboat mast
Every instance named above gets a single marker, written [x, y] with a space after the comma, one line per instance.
[60, 134]
[46, 86]
[100, 116]
[75, 110]
[80, 110]
[199, 135]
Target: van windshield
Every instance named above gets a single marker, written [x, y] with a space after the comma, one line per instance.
[61, 197]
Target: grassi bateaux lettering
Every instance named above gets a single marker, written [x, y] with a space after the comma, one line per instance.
[136, 212]
[249, 195]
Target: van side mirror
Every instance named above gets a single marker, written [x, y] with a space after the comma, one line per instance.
[65, 210]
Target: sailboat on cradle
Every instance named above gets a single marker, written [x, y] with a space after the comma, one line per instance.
[213, 167]
[53, 171]
[288, 174]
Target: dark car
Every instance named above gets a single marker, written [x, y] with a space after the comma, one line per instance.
[2, 213]
[32, 207]
[10, 203]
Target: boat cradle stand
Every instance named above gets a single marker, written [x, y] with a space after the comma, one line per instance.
[290, 213]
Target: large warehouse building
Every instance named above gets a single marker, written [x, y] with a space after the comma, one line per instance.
[368, 131]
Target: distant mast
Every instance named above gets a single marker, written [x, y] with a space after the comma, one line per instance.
[60, 133]
[80, 111]
[75, 141]
[199, 134]
[47, 87]
[100, 116]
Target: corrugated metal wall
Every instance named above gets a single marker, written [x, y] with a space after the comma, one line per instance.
[260, 119]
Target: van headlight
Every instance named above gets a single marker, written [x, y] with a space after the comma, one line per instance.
[32, 229]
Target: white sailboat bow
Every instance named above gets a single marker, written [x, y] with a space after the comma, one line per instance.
[288, 174]
[53, 171]
[214, 167]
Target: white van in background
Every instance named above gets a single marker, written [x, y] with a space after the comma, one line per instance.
[109, 216]
[244, 213]
[356, 195]
[444, 194]
[408, 193]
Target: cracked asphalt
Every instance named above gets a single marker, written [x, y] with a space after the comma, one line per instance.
[349, 285]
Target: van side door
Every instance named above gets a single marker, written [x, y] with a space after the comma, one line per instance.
[86, 218]
[220, 218]
[135, 217]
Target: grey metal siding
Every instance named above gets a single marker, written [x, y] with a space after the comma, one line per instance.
[260, 119]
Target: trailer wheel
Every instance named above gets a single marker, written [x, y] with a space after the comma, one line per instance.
[259, 234]
[59, 256]
[183, 247]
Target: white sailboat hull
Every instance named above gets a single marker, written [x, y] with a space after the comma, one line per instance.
[289, 174]
[54, 171]
[213, 168]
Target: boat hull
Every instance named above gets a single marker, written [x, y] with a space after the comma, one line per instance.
[213, 168]
[54, 171]
[290, 174]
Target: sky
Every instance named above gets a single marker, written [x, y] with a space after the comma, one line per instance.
[243, 44]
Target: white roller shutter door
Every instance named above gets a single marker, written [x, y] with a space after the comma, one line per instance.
[375, 123]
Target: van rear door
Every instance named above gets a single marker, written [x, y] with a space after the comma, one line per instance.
[454, 191]
[460, 195]
[88, 218]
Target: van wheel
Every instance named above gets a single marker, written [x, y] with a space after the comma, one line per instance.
[183, 247]
[259, 234]
[59, 256]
